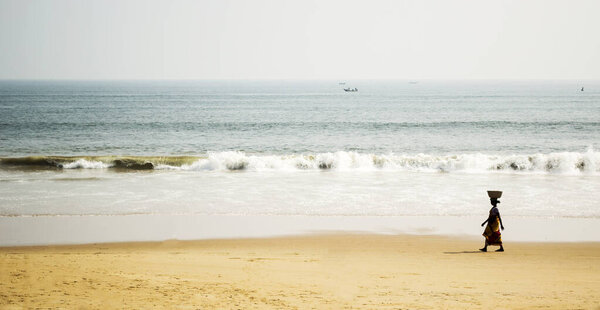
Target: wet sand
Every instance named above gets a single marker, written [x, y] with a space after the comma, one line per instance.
[337, 271]
[56, 230]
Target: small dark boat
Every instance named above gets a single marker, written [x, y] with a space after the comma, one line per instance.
[350, 89]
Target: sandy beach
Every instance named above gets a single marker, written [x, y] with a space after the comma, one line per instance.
[339, 271]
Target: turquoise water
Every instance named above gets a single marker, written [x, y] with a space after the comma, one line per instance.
[299, 147]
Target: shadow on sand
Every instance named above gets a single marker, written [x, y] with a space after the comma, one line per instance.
[464, 252]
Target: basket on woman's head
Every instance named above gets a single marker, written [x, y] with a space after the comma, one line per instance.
[495, 194]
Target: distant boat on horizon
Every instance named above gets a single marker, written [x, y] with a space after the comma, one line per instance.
[351, 89]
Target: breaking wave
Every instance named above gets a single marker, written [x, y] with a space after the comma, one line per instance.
[561, 162]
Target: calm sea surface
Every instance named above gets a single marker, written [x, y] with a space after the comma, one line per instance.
[270, 117]
[299, 147]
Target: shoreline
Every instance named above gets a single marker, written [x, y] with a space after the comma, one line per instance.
[336, 271]
[68, 230]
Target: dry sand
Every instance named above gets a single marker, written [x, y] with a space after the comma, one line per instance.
[314, 272]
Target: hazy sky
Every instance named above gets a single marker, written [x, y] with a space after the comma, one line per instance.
[152, 39]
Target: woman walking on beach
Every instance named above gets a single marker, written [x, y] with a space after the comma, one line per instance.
[492, 230]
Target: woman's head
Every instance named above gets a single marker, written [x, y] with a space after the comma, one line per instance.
[494, 201]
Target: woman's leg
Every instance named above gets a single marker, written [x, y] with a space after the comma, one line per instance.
[484, 249]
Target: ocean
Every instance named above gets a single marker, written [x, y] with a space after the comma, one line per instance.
[394, 148]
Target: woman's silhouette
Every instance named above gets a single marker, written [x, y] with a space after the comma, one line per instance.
[492, 230]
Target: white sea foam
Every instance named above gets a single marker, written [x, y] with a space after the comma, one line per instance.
[565, 163]
[339, 183]
[86, 164]
[555, 163]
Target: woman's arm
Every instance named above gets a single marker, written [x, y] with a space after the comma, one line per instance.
[501, 226]
[484, 222]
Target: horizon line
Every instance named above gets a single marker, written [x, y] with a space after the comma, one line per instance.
[299, 79]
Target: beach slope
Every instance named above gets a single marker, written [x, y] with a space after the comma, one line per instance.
[311, 272]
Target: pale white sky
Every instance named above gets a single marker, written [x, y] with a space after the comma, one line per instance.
[414, 39]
